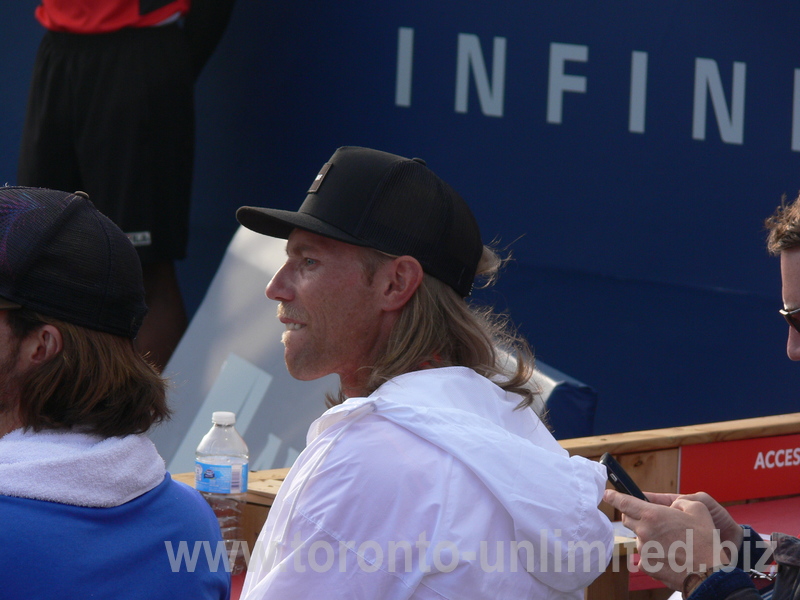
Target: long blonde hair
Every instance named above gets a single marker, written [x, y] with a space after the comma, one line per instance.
[437, 328]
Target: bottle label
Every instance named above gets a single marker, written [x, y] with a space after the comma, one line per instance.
[220, 479]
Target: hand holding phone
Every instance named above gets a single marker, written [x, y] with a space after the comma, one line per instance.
[620, 479]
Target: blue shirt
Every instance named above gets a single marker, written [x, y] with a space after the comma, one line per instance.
[143, 549]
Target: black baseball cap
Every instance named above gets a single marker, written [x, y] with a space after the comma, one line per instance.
[59, 256]
[389, 203]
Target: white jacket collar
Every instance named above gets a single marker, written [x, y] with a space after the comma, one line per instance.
[449, 388]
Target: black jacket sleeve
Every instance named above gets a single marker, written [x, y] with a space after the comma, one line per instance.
[727, 585]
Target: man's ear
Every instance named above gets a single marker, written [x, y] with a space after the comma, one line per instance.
[402, 277]
[41, 345]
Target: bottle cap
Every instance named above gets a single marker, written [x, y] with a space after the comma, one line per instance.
[221, 417]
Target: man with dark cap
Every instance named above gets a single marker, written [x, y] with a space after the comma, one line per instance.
[430, 476]
[88, 510]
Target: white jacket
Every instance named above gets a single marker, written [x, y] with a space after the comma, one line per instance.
[433, 487]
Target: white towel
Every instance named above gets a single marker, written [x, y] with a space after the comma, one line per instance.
[78, 468]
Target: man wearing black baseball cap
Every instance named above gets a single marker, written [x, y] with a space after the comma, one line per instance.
[87, 507]
[430, 476]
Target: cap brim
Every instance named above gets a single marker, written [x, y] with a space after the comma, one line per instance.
[280, 223]
[8, 304]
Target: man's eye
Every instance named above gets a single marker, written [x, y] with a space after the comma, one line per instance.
[310, 261]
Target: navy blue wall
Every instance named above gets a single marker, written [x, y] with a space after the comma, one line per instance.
[640, 263]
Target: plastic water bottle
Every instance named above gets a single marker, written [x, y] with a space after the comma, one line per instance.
[221, 477]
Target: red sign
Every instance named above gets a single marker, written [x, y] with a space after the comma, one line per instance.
[742, 469]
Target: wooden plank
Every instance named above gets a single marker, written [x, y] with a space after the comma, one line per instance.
[255, 515]
[263, 486]
[609, 585]
[673, 437]
[613, 583]
[655, 471]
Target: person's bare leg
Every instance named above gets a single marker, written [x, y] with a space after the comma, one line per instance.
[166, 319]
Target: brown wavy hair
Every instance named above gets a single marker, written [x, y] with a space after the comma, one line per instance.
[784, 227]
[437, 328]
[98, 383]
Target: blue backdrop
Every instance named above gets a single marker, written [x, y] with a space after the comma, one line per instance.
[627, 153]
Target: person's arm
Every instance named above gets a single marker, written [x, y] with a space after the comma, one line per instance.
[204, 26]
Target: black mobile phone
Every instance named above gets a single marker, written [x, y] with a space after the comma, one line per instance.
[620, 479]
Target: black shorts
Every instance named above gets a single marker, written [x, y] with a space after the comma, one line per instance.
[113, 115]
